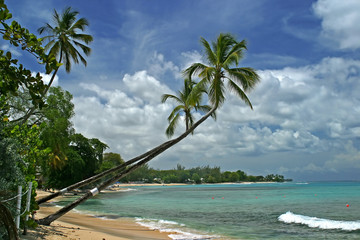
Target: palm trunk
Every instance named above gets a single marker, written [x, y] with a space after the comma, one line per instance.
[146, 158]
[100, 175]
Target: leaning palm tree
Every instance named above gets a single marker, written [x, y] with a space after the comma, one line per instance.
[223, 59]
[188, 101]
[64, 43]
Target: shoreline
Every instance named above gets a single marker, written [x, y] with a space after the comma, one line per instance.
[78, 225]
[75, 225]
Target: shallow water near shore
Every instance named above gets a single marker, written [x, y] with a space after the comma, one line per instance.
[314, 210]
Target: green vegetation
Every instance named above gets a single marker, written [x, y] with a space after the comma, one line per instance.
[37, 139]
[223, 56]
[196, 175]
[189, 100]
[64, 38]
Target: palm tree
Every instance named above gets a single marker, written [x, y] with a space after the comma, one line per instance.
[64, 43]
[225, 53]
[64, 38]
[189, 99]
[223, 57]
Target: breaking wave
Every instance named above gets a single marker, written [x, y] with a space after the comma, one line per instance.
[321, 223]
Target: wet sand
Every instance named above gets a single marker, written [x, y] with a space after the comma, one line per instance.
[74, 225]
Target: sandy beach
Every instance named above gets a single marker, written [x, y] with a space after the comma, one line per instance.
[74, 225]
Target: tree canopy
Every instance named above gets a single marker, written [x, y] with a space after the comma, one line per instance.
[198, 175]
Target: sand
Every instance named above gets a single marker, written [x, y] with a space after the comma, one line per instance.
[74, 226]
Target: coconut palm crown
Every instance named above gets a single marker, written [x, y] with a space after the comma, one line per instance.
[189, 100]
[223, 56]
[65, 40]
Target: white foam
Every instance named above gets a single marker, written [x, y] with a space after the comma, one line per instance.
[177, 231]
[126, 190]
[321, 223]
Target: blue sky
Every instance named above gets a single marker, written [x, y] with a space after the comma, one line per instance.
[305, 123]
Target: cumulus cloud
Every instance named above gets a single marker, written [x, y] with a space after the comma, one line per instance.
[145, 86]
[129, 120]
[308, 110]
[190, 57]
[340, 22]
[158, 66]
[311, 98]
[349, 158]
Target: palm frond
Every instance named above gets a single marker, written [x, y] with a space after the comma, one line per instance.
[80, 24]
[247, 77]
[170, 130]
[238, 91]
[165, 97]
[194, 69]
[216, 92]
[223, 45]
[83, 47]
[83, 37]
[205, 109]
[211, 57]
[235, 54]
[46, 28]
[175, 111]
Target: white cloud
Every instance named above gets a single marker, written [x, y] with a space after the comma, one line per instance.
[13, 50]
[301, 110]
[145, 87]
[190, 57]
[349, 158]
[131, 120]
[340, 22]
[46, 79]
[158, 66]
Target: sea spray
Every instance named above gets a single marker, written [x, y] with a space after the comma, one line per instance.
[321, 223]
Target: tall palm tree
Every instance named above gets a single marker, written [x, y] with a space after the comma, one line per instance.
[64, 43]
[223, 57]
[64, 39]
[225, 53]
[189, 100]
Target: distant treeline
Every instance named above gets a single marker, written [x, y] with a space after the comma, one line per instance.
[196, 175]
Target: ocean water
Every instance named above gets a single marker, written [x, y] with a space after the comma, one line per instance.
[314, 210]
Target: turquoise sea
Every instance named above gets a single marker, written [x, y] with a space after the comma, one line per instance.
[308, 210]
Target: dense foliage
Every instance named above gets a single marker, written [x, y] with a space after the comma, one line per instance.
[196, 175]
[37, 141]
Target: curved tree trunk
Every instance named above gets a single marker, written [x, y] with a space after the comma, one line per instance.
[146, 157]
[7, 220]
[117, 168]
[100, 175]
